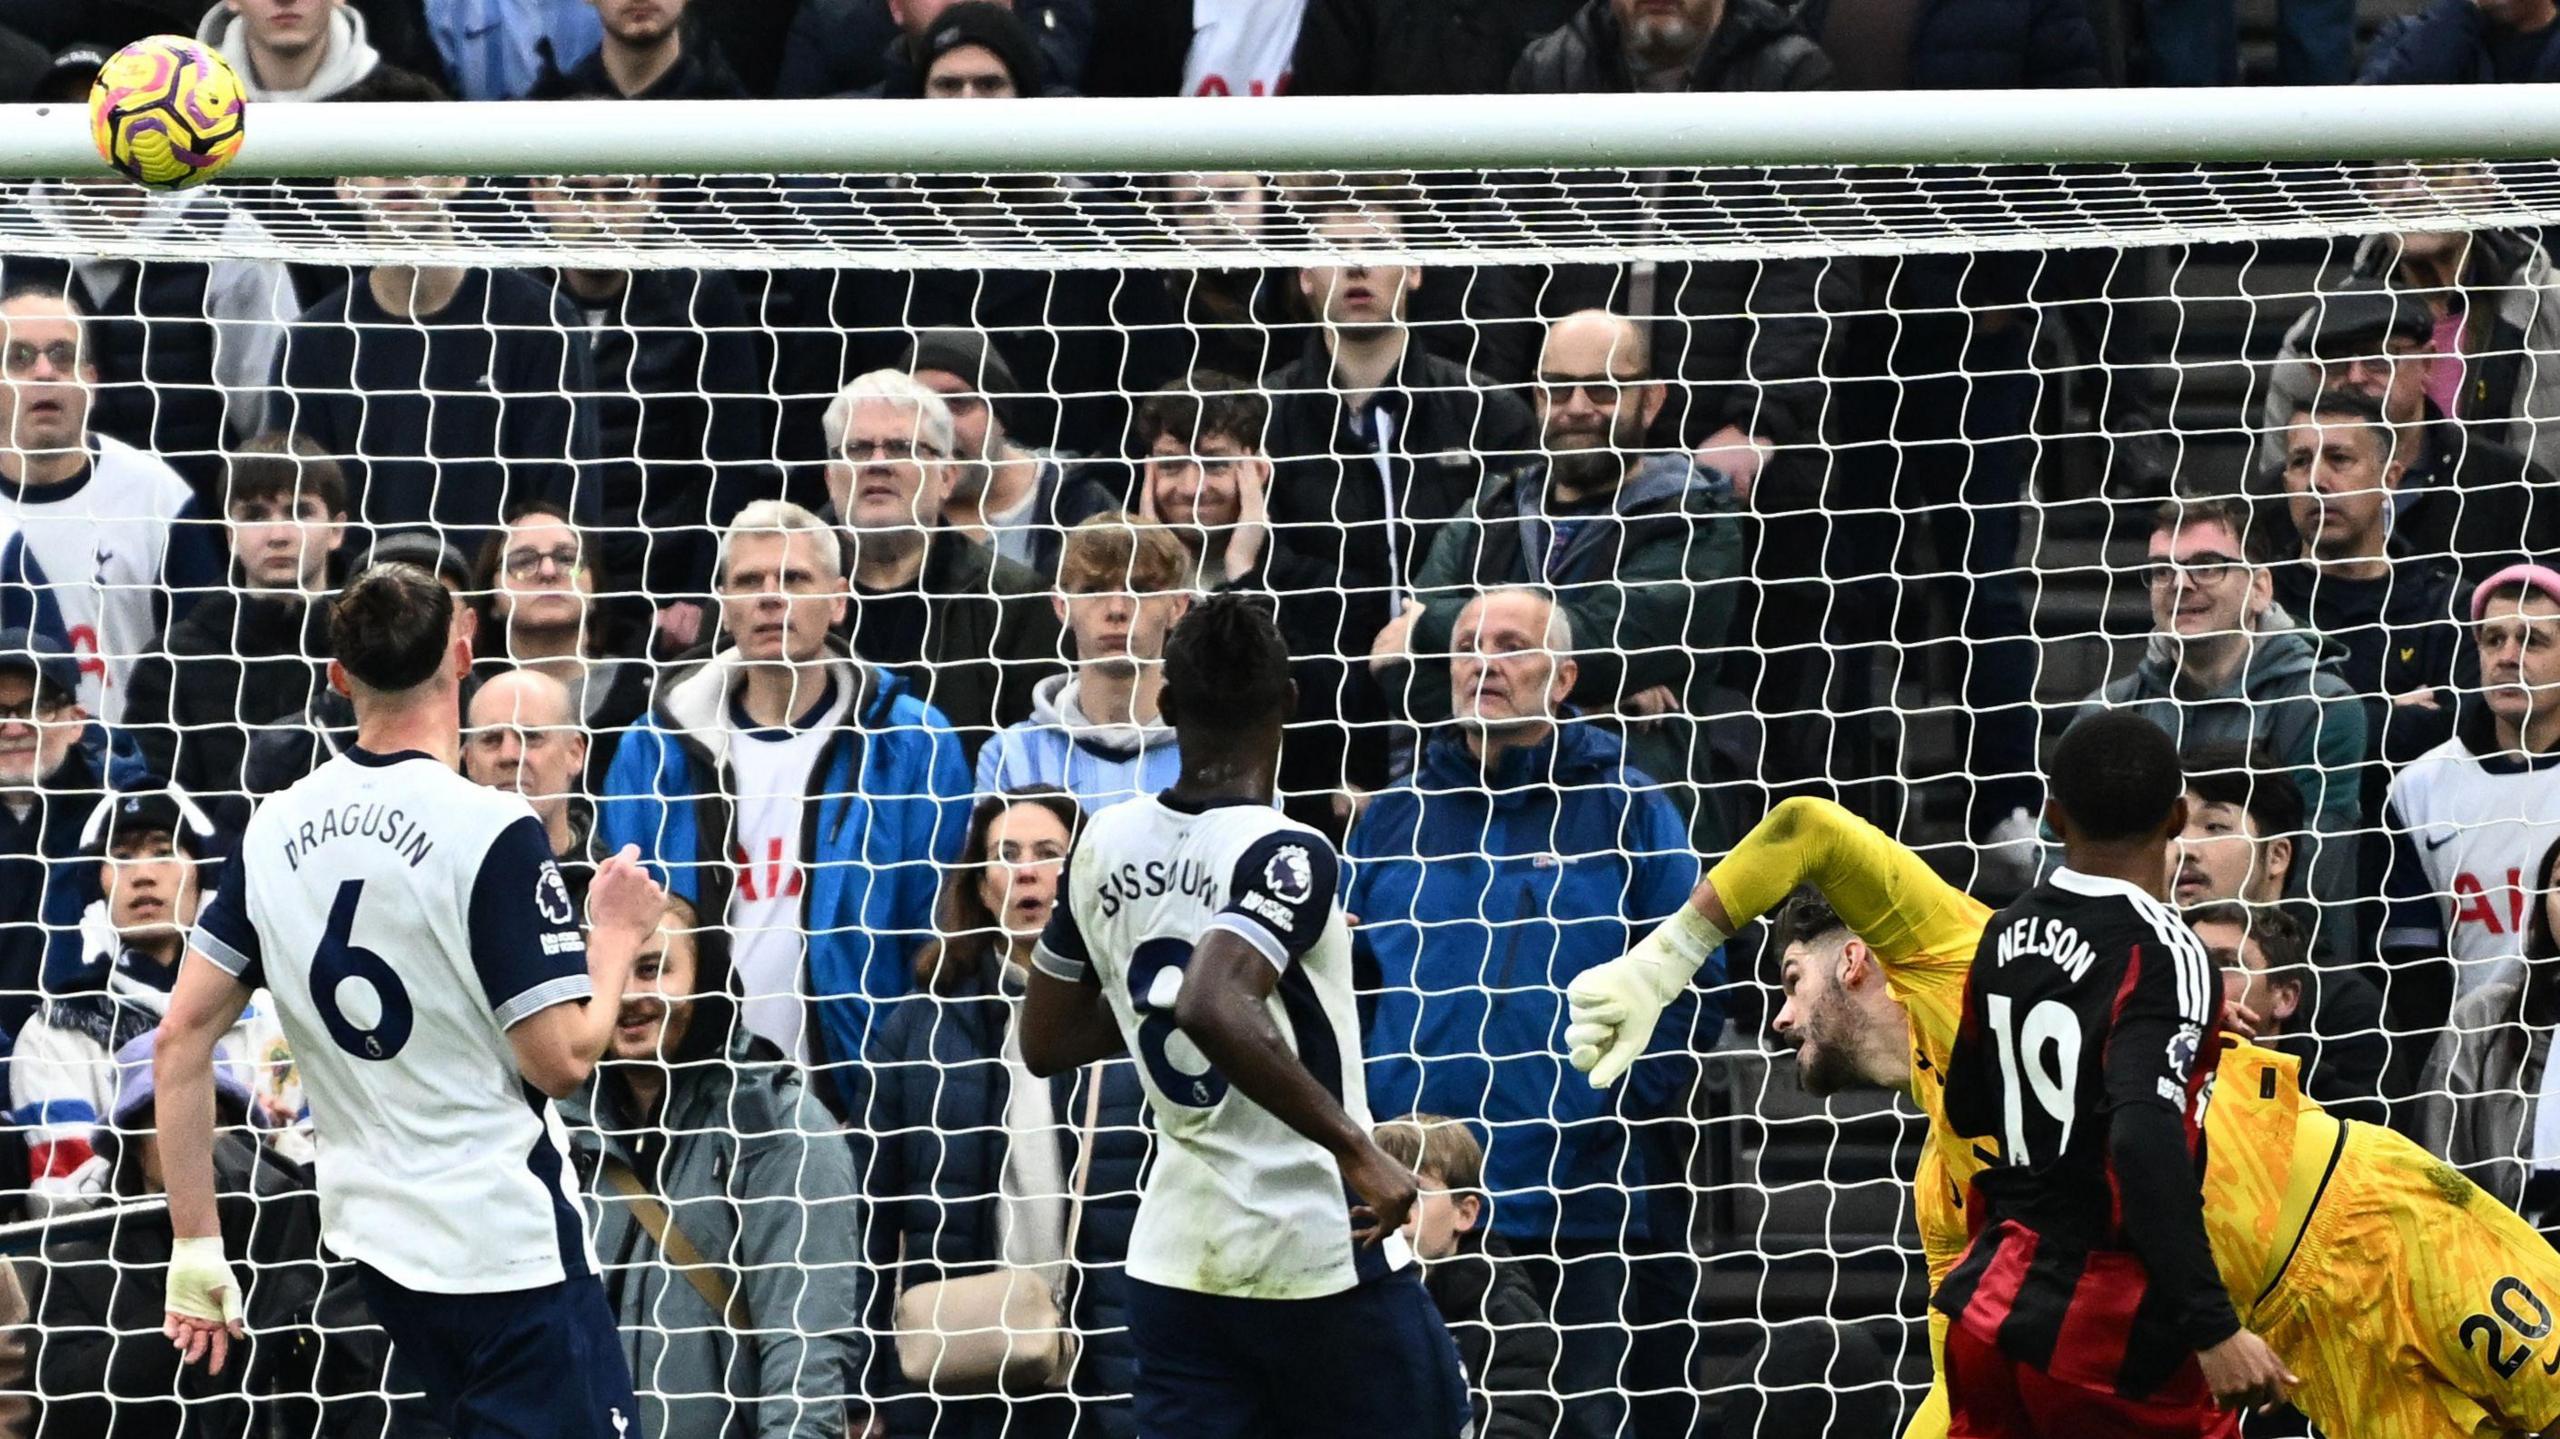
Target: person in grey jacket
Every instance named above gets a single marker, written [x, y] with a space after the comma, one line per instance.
[722, 1136]
[2479, 1094]
[2226, 666]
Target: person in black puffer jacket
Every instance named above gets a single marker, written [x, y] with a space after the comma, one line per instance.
[1506, 1341]
[938, 1113]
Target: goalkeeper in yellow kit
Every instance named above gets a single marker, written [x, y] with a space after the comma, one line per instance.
[2413, 1305]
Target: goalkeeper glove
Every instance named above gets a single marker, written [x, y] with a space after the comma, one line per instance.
[200, 1282]
[1614, 1006]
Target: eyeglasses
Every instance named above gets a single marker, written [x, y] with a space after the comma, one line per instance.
[526, 563]
[1603, 390]
[32, 711]
[2204, 569]
[896, 452]
[19, 356]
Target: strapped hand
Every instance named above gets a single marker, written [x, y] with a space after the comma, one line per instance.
[204, 1302]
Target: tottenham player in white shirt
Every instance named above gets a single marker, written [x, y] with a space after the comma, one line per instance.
[427, 965]
[1198, 929]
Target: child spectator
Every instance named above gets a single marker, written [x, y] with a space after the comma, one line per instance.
[1504, 1338]
[1097, 733]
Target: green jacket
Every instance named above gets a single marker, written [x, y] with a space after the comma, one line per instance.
[750, 1168]
[1650, 587]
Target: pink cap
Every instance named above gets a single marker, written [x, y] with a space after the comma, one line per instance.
[2531, 577]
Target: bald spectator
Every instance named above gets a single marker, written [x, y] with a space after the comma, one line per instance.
[521, 733]
[650, 50]
[292, 49]
[971, 630]
[1639, 544]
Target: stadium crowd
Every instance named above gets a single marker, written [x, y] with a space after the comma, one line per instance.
[842, 595]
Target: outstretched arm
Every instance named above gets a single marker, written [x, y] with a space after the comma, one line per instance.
[203, 1310]
[1224, 1006]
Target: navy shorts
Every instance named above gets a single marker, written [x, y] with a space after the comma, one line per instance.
[1371, 1361]
[525, 1364]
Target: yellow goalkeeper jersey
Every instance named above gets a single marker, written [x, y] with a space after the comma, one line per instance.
[1924, 932]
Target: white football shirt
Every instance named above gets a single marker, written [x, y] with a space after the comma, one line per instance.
[1237, 1202]
[2468, 833]
[404, 919]
[769, 768]
[103, 538]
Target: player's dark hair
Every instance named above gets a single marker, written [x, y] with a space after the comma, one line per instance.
[390, 626]
[2540, 941]
[2116, 775]
[1226, 669]
[2279, 936]
[2231, 773]
[1807, 917]
[970, 930]
[2350, 407]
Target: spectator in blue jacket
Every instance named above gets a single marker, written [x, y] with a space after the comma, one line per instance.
[2467, 42]
[1520, 853]
[801, 795]
[1097, 733]
[967, 1162]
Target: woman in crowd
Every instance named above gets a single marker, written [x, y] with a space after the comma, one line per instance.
[545, 606]
[722, 1207]
[2478, 1099]
[970, 1165]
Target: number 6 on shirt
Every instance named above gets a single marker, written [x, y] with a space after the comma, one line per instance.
[339, 959]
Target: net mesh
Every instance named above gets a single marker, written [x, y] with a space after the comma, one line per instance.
[1862, 508]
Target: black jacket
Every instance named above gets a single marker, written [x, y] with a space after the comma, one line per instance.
[2402, 633]
[1748, 336]
[102, 1370]
[2477, 501]
[838, 46]
[685, 439]
[930, 1148]
[44, 881]
[1993, 44]
[2449, 43]
[700, 73]
[1336, 557]
[241, 660]
[2338, 1035]
[1417, 47]
[1506, 1343]
[991, 638]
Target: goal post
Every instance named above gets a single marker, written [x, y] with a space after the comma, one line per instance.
[1933, 361]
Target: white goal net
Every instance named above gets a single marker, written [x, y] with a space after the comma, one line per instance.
[820, 534]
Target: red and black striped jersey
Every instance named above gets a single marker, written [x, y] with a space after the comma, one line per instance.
[2081, 1050]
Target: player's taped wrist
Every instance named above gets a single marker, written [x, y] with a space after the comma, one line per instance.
[1678, 948]
[201, 1285]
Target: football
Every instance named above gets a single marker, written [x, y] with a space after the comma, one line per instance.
[167, 112]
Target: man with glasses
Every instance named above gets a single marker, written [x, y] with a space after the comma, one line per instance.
[2463, 493]
[971, 631]
[1641, 547]
[113, 527]
[802, 796]
[2219, 671]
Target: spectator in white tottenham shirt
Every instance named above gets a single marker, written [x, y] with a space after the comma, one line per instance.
[114, 528]
[807, 797]
[2469, 819]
